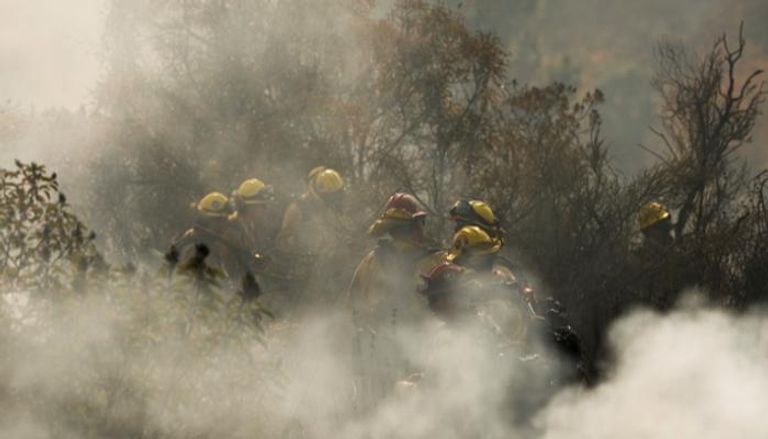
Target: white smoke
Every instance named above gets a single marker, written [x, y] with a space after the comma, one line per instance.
[695, 373]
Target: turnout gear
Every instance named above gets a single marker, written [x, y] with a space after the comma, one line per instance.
[388, 277]
[309, 222]
[478, 251]
[455, 293]
[500, 304]
[440, 287]
[487, 282]
[215, 205]
[659, 267]
[478, 286]
[441, 279]
[651, 214]
[314, 240]
[401, 255]
[383, 298]
[254, 207]
[215, 239]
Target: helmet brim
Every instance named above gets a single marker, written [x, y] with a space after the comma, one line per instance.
[661, 218]
[455, 253]
[259, 202]
[382, 226]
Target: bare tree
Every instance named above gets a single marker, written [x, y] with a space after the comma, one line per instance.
[708, 113]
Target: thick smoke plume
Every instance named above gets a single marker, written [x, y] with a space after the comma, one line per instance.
[695, 373]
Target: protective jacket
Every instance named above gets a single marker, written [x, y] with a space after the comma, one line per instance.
[385, 281]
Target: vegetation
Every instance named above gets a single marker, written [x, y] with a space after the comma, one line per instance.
[40, 239]
[96, 351]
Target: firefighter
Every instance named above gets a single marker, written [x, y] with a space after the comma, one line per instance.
[474, 282]
[215, 241]
[486, 275]
[479, 251]
[309, 221]
[660, 267]
[478, 214]
[383, 299]
[386, 278]
[314, 242]
[252, 201]
[655, 222]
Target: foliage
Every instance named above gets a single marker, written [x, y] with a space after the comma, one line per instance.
[93, 351]
[40, 239]
[708, 114]
[125, 353]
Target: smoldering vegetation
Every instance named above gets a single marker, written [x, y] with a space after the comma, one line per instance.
[102, 339]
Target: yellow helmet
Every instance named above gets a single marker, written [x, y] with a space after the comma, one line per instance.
[484, 211]
[253, 191]
[401, 209]
[473, 240]
[316, 170]
[324, 180]
[214, 205]
[650, 214]
[473, 212]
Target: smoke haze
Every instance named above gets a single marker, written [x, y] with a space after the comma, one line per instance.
[609, 45]
[696, 373]
[692, 373]
[49, 51]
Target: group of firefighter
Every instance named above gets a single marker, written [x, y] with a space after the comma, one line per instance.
[295, 255]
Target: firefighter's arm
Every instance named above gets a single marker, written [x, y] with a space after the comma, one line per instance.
[359, 288]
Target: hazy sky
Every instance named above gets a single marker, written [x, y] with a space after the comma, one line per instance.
[609, 44]
[49, 51]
